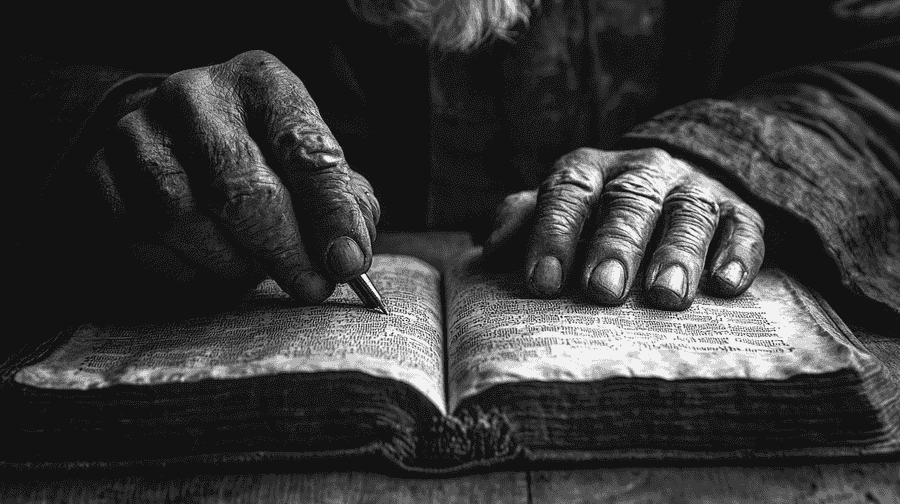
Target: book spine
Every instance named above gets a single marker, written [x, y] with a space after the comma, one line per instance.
[471, 436]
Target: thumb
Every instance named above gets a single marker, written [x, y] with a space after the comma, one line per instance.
[513, 221]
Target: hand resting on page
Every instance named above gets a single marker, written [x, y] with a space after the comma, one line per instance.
[592, 220]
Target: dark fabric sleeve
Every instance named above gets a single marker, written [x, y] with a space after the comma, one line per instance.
[77, 103]
[814, 147]
[59, 114]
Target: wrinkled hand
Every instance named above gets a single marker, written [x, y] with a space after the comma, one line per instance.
[592, 222]
[230, 171]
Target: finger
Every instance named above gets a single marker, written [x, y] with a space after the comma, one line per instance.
[364, 188]
[368, 203]
[740, 250]
[564, 202]
[311, 162]
[629, 209]
[256, 208]
[691, 214]
[248, 199]
[513, 219]
[157, 187]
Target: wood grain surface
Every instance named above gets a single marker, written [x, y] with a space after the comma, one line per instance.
[812, 484]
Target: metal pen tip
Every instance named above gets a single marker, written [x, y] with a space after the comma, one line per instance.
[367, 293]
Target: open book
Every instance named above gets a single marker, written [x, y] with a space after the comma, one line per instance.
[463, 372]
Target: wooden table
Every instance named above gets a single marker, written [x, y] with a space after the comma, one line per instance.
[820, 484]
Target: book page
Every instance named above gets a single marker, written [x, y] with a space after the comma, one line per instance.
[268, 333]
[773, 331]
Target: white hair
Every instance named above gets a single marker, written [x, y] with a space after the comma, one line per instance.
[450, 24]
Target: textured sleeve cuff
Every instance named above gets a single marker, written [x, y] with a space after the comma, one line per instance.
[811, 170]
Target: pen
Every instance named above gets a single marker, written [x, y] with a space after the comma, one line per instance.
[365, 289]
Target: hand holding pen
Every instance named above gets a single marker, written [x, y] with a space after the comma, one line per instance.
[236, 176]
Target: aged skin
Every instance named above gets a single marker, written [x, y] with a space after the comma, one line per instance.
[233, 167]
[612, 202]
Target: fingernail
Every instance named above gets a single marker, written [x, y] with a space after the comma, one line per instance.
[311, 288]
[609, 277]
[732, 273]
[671, 283]
[546, 276]
[344, 257]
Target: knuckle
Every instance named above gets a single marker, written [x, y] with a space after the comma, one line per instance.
[642, 187]
[253, 195]
[650, 156]
[193, 98]
[745, 217]
[310, 147]
[625, 213]
[576, 170]
[251, 67]
[692, 199]
[184, 85]
[131, 124]
[255, 57]
[360, 182]
[695, 224]
[691, 218]
[753, 217]
[572, 180]
[564, 208]
[252, 71]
